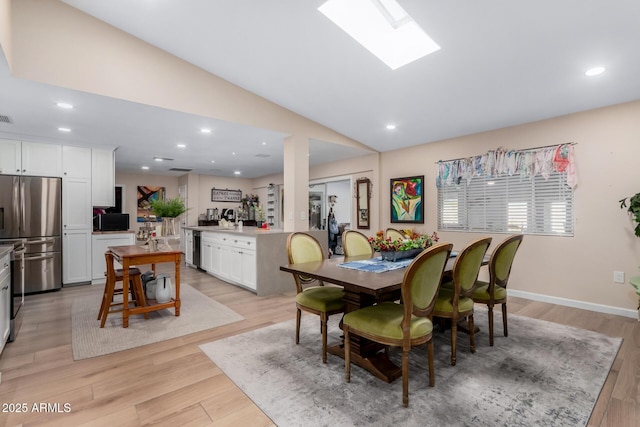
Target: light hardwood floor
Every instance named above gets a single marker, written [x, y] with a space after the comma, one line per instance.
[173, 383]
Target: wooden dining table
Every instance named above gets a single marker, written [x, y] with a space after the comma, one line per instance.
[133, 255]
[361, 289]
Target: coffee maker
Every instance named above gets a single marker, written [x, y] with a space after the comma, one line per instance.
[212, 214]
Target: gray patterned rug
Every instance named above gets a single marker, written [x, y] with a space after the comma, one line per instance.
[198, 312]
[543, 374]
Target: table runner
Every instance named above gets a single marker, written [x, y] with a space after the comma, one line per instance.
[376, 265]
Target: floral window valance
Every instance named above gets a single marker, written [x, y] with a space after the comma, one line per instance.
[524, 163]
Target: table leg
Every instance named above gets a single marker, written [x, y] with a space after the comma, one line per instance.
[125, 292]
[366, 353]
[177, 271]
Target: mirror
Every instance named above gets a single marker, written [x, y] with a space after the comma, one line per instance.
[363, 194]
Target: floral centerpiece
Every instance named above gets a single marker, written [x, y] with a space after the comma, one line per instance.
[410, 246]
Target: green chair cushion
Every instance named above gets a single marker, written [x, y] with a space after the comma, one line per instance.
[321, 298]
[443, 303]
[384, 320]
[446, 285]
[482, 292]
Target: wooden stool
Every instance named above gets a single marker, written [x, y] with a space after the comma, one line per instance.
[114, 276]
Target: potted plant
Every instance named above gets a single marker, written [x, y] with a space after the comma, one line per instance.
[394, 250]
[168, 210]
[260, 217]
[634, 209]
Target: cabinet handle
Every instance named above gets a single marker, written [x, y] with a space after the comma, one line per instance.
[5, 288]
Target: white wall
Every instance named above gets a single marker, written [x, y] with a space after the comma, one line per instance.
[578, 268]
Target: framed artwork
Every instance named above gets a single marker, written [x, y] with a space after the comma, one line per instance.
[226, 195]
[407, 200]
[146, 195]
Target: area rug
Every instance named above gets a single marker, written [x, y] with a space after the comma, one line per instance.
[543, 374]
[198, 312]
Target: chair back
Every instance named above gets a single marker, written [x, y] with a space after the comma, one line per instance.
[421, 281]
[355, 243]
[111, 272]
[393, 234]
[467, 267]
[502, 260]
[301, 248]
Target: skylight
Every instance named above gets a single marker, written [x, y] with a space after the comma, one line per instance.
[383, 27]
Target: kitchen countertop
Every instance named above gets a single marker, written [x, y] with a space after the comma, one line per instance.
[246, 230]
[113, 232]
[5, 249]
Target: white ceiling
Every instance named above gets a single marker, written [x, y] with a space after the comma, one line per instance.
[500, 64]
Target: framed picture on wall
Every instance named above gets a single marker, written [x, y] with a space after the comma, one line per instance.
[407, 200]
[147, 194]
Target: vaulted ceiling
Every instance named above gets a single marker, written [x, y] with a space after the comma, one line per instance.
[500, 64]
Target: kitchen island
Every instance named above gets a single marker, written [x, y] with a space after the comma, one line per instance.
[250, 258]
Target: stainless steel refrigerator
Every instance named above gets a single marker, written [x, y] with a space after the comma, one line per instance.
[31, 210]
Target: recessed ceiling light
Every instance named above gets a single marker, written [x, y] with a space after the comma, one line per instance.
[237, 173]
[64, 129]
[145, 168]
[390, 127]
[383, 27]
[594, 71]
[65, 105]
[264, 143]
[205, 130]
[158, 159]
[213, 161]
[233, 153]
[182, 145]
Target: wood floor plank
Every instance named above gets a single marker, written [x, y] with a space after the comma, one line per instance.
[174, 383]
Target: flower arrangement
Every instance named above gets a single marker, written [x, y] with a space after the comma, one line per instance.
[413, 240]
[250, 200]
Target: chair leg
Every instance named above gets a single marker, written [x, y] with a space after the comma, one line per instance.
[405, 377]
[136, 286]
[454, 337]
[298, 314]
[504, 319]
[490, 314]
[472, 335]
[432, 375]
[106, 302]
[347, 353]
[323, 319]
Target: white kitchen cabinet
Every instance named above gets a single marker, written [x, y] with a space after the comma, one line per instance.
[206, 253]
[188, 247]
[10, 157]
[76, 256]
[103, 178]
[99, 245]
[76, 162]
[76, 215]
[230, 257]
[5, 299]
[30, 158]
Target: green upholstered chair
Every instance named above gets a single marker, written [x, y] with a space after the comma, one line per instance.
[454, 299]
[394, 234]
[355, 243]
[403, 325]
[495, 290]
[321, 300]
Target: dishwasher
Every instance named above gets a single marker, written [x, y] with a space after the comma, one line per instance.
[197, 259]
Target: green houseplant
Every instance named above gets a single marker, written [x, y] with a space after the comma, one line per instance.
[634, 209]
[168, 210]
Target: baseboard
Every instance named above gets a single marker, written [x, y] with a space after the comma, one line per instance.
[600, 308]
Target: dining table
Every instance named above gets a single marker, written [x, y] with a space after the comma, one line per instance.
[135, 255]
[362, 289]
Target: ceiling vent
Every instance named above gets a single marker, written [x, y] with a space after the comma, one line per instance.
[5, 119]
[263, 155]
[180, 170]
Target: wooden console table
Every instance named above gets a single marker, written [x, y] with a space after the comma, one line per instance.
[140, 255]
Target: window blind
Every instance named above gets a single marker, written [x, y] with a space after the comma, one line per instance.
[507, 204]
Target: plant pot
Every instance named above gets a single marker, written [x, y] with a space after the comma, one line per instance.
[169, 227]
[398, 255]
